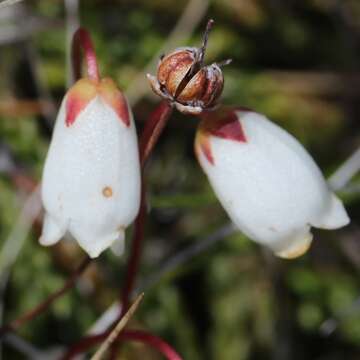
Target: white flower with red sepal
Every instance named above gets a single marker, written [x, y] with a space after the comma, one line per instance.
[91, 179]
[266, 181]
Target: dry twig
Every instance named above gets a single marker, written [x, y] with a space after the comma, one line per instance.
[120, 326]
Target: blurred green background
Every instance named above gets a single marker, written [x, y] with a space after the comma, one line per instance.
[296, 61]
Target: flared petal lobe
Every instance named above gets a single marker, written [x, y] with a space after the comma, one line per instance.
[267, 182]
[91, 178]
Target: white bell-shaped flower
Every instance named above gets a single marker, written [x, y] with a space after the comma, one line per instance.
[91, 178]
[267, 182]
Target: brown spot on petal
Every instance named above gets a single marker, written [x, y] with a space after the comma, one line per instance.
[107, 191]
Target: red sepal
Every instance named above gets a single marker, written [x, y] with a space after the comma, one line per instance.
[223, 123]
[115, 98]
[77, 99]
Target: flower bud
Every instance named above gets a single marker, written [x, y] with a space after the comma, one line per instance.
[91, 178]
[267, 182]
[183, 80]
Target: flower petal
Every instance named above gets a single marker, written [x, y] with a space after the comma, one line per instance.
[296, 246]
[51, 232]
[336, 216]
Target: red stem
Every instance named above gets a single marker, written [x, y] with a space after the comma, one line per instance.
[82, 39]
[153, 341]
[134, 259]
[153, 129]
[132, 335]
[150, 135]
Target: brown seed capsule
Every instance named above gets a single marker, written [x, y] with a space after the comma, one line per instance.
[173, 68]
[186, 82]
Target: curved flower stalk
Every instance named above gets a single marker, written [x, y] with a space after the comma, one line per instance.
[130, 335]
[267, 182]
[91, 179]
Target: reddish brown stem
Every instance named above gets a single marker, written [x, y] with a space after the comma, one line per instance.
[15, 324]
[82, 40]
[151, 133]
[134, 259]
[23, 181]
[153, 129]
[153, 341]
[132, 335]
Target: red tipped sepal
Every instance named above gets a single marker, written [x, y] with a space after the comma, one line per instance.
[85, 90]
[78, 97]
[115, 99]
[223, 123]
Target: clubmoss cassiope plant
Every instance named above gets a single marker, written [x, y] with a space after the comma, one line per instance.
[93, 185]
